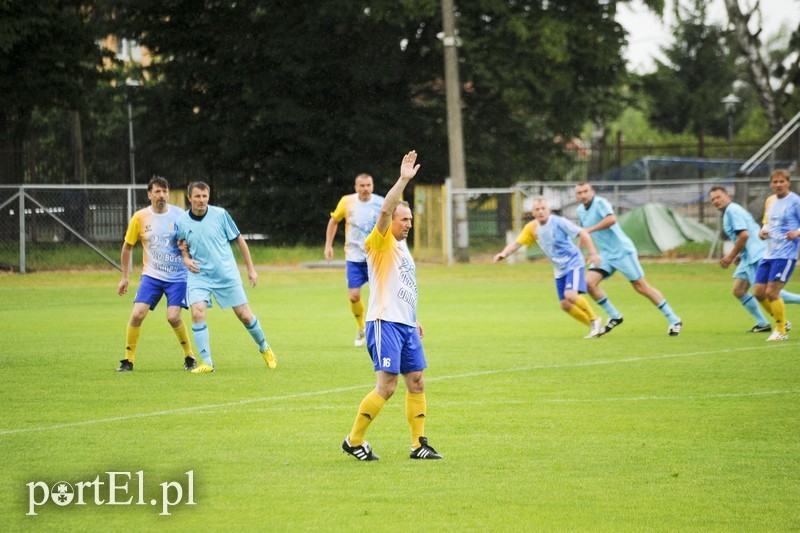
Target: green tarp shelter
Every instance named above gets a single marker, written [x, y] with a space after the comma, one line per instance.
[655, 228]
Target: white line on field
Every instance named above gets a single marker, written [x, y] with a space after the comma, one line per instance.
[180, 410]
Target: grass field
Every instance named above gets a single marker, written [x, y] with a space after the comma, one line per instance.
[540, 429]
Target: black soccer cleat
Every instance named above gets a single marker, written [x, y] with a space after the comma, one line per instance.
[424, 451]
[760, 329]
[612, 323]
[189, 363]
[362, 453]
[125, 366]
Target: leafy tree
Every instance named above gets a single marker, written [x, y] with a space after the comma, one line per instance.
[684, 93]
[48, 59]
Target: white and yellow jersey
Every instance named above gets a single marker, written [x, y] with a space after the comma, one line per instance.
[392, 279]
[161, 256]
[360, 217]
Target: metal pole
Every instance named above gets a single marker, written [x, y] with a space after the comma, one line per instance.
[131, 146]
[21, 230]
[455, 134]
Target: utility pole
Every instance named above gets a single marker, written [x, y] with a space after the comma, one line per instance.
[455, 132]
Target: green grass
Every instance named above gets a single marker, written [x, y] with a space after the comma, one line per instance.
[540, 429]
[58, 256]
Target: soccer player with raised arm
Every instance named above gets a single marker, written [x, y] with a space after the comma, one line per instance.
[748, 250]
[163, 272]
[554, 235]
[781, 230]
[209, 231]
[360, 211]
[393, 333]
[619, 253]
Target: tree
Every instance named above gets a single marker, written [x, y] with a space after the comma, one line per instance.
[775, 82]
[684, 93]
[48, 59]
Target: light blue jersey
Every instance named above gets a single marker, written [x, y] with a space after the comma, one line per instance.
[736, 219]
[555, 239]
[209, 240]
[612, 242]
[782, 216]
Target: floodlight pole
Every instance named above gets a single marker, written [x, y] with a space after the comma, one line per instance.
[730, 102]
[131, 146]
[455, 132]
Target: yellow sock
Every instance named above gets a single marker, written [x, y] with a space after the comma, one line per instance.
[766, 305]
[583, 304]
[131, 339]
[416, 405]
[779, 312]
[183, 337]
[358, 313]
[578, 314]
[367, 412]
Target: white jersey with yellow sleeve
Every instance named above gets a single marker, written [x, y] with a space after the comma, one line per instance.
[161, 256]
[392, 279]
[360, 217]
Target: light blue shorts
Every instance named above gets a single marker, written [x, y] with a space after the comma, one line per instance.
[395, 348]
[628, 265]
[573, 280]
[746, 272]
[225, 296]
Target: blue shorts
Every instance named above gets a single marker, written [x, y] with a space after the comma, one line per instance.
[775, 270]
[746, 272]
[571, 281]
[357, 274]
[628, 265]
[225, 296]
[395, 348]
[151, 290]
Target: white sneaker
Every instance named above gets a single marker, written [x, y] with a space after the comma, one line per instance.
[595, 329]
[788, 326]
[361, 339]
[674, 329]
[777, 336]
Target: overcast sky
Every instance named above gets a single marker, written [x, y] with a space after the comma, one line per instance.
[647, 34]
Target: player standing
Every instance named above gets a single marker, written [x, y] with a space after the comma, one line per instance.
[360, 211]
[163, 272]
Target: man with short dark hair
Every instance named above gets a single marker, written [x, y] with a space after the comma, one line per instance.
[163, 272]
[619, 253]
[209, 231]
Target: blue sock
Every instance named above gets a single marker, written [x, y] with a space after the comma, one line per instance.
[790, 297]
[255, 331]
[669, 313]
[608, 307]
[203, 341]
[751, 304]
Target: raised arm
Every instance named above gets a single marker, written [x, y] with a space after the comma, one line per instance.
[508, 250]
[408, 169]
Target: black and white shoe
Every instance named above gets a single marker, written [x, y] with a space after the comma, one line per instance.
[760, 329]
[362, 453]
[675, 329]
[189, 363]
[424, 451]
[125, 366]
[613, 322]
